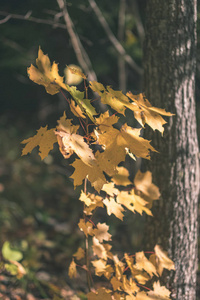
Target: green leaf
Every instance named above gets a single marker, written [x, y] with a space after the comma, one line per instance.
[84, 104]
[12, 269]
[11, 254]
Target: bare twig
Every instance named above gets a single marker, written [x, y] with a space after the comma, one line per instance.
[80, 52]
[140, 27]
[27, 17]
[121, 62]
[120, 49]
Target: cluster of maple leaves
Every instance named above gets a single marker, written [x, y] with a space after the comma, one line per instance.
[96, 165]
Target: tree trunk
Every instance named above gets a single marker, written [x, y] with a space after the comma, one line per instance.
[169, 67]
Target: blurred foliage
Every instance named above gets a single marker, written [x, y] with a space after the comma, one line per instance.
[39, 207]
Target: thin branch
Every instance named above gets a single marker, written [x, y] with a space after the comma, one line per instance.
[140, 27]
[80, 52]
[27, 17]
[121, 62]
[120, 49]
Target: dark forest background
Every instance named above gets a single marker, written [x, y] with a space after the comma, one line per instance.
[39, 207]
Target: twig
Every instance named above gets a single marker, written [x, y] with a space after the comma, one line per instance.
[81, 55]
[30, 19]
[140, 27]
[121, 62]
[120, 49]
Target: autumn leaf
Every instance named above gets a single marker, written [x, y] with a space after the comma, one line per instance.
[86, 227]
[70, 142]
[101, 232]
[121, 178]
[44, 139]
[98, 249]
[104, 121]
[129, 285]
[114, 208]
[85, 198]
[144, 112]
[46, 75]
[142, 263]
[161, 260]
[72, 269]
[110, 189]
[96, 201]
[84, 104]
[143, 183]
[159, 292]
[76, 110]
[116, 284]
[100, 294]
[79, 254]
[100, 266]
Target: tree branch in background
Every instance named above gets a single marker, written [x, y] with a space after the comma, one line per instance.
[121, 62]
[113, 39]
[28, 17]
[79, 50]
[140, 27]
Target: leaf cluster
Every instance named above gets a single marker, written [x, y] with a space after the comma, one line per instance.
[99, 144]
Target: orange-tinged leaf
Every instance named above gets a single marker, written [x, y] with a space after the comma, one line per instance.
[79, 254]
[143, 183]
[146, 113]
[44, 139]
[162, 260]
[72, 269]
[159, 292]
[121, 178]
[114, 208]
[100, 294]
[101, 232]
[98, 249]
[46, 75]
[86, 227]
[142, 263]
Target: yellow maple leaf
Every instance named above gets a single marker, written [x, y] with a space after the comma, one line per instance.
[72, 269]
[46, 75]
[86, 227]
[121, 178]
[143, 183]
[116, 284]
[142, 296]
[110, 189]
[144, 112]
[44, 139]
[129, 285]
[101, 232]
[70, 142]
[79, 254]
[98, 249]
[100, 294]
[161, 260]
[159, 292]
[85, 198]
[133, 202]
[100, 266]
[119, 267]
[76, 110]
[114, 208]
[104, 121]
[142, 263]
[96, 201]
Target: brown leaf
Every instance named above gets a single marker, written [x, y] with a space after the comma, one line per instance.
[79, 254]
[100, 294]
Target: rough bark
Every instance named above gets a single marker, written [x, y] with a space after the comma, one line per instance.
[169, 68]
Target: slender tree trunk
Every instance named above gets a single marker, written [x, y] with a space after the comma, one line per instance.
[169, 68]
